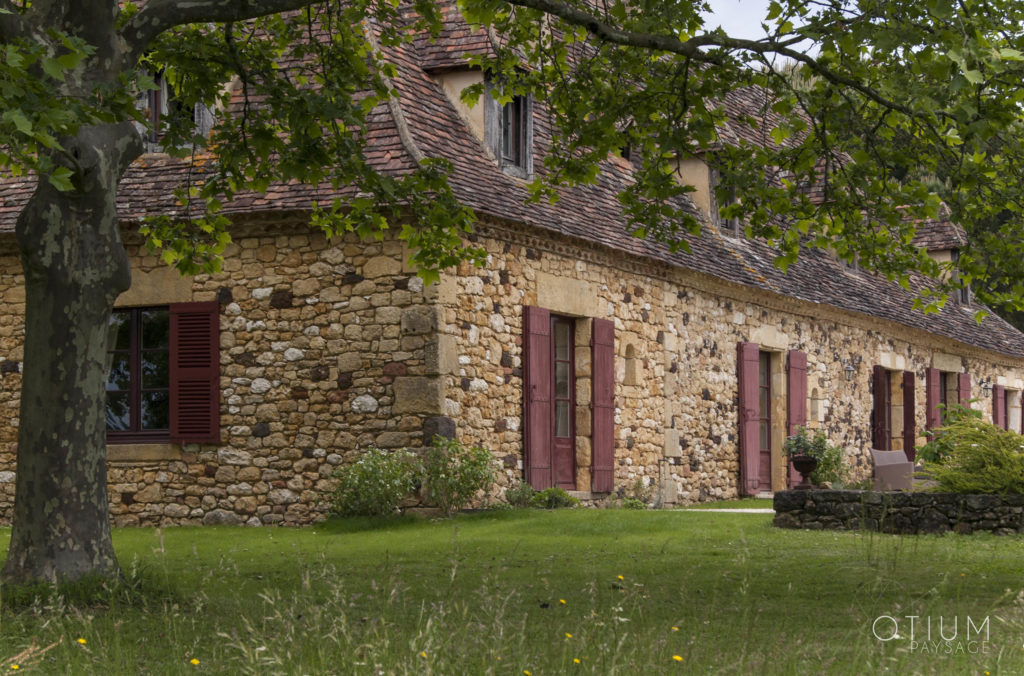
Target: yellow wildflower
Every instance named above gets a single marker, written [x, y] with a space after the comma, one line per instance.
[15, 666]
[677, 658]
[423, 653]
[562, 601]
[82, 641]
[568, 635]
[575, 660]
[194, 662]
[621, 578]
[526, 671]
[675, 628]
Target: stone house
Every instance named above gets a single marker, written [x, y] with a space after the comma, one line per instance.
[582, 357]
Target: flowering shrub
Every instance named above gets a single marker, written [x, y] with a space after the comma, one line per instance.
[454, 474]
[520, 494]
[375, 484]
[832, 466]
[980, 458]
[553, 498]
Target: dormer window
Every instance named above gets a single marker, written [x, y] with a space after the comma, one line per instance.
[963, 294]
[730, 226]
[509, 133]
[161, 106]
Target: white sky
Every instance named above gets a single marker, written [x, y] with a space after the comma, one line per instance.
[739, 18]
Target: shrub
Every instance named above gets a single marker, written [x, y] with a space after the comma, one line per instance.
[520, 495]
[978, 457]
[375, 484]
[832, 466]
[633, 503]
[553, 498]
[939, 448]
[454, 474]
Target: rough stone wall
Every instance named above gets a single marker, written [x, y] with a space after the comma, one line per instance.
[905, 513]
[676, 334]
[326, 349]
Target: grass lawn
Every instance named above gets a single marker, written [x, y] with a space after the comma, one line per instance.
[742, 503]
[531, 592]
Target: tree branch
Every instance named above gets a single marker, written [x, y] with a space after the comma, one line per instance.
[693, 46]
[160, 15]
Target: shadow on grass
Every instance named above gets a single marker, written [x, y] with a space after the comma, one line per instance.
[141, 587]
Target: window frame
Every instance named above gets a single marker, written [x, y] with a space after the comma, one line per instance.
[135, 434]
[518, 162]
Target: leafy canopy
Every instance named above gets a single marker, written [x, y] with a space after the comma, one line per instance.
[892, 109]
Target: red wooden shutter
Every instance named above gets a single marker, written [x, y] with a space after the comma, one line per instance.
[747, 415]
[537, 396]
[796, 399]
[964, 389]
[195, 372]
[879, 434]
[909, 417]
[602, 405]
[999, 406]
[932, 415]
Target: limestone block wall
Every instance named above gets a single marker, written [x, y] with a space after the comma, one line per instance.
[326, 348]
[676, 334]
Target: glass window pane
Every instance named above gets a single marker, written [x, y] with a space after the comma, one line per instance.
[156, 327]
[562, 380]
[765, 436]
[118, 411]
[155, 410]
[764, 372]
[562, 419]
[120, 330]
[119, 375]
[562, 341]
[155, 370]
[765, 403]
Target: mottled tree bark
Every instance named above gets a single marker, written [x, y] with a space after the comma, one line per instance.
[75, 267]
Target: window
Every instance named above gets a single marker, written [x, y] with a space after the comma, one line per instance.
[730, 226]
[962, 295]
[138, 374]
[893, 425]
[163, 374]
[551, 382]
[509, 133]
[161, 105]
[946, 388]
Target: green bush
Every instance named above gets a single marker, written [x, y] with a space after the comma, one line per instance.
[454, 474]
[978, 457]
[520, 495]
[832, 467]
[633, 503]
[553, 498]
[375, 484]
[939, 448]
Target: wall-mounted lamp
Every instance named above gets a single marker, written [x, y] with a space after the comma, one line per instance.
[850, 366]
[986, 386]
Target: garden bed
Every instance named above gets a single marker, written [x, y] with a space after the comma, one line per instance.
[906, 513]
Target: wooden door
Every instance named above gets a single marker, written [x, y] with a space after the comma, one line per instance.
[563, 397]
[764, 381]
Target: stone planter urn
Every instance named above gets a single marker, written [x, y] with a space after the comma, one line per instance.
[805, 464]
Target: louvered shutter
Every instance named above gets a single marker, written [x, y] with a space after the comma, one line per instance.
[879, 434]
[932, 415]
[747, 415]
[537, 396]
[909, 419]
[964, 389]
[999, 406]
[796, 398]
[195, 372]
[603, 405]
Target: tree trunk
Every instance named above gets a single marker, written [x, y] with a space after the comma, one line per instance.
[75, 266]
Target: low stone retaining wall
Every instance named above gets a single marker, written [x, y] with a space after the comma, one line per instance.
[907, 513]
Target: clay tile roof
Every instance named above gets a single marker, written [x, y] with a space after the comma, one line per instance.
[590, 213]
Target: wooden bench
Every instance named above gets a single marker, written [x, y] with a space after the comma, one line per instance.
[893, 472]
